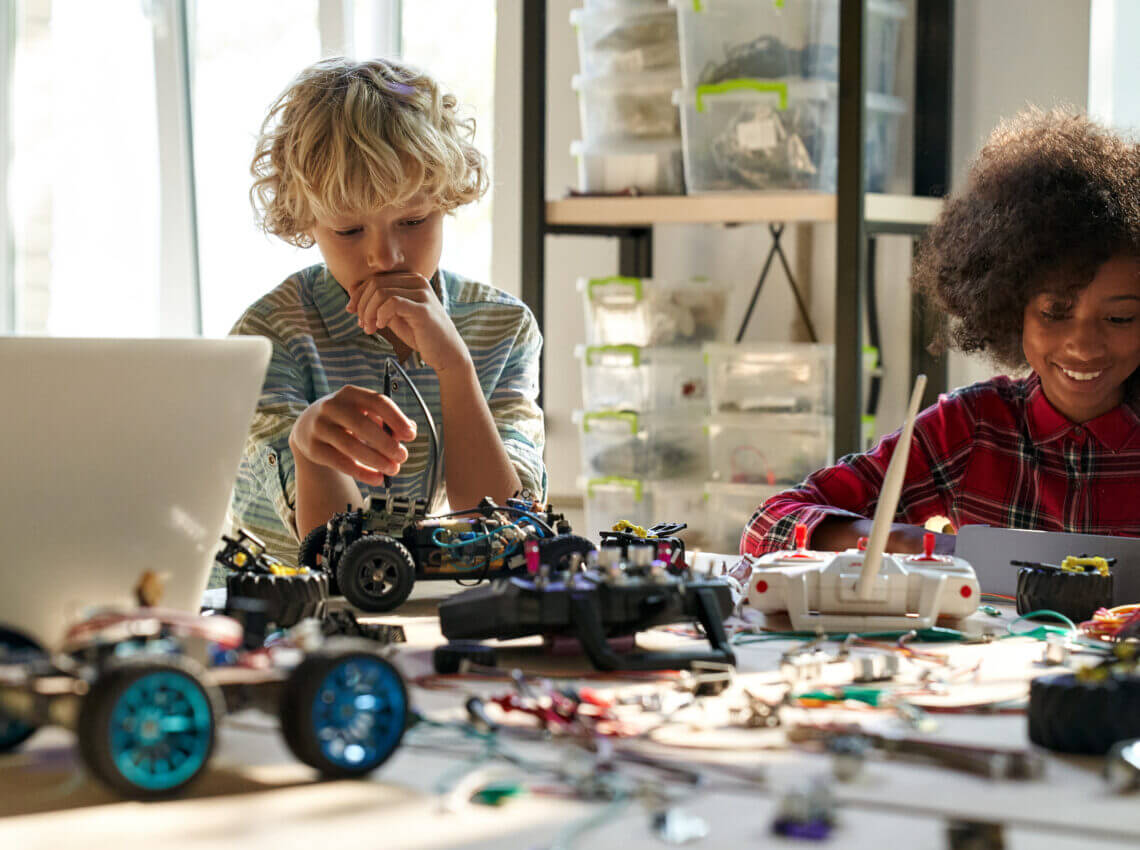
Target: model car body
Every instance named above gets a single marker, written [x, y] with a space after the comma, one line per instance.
[376, 555]
[145, 689]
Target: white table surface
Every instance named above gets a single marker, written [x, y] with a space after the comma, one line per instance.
[254, 794]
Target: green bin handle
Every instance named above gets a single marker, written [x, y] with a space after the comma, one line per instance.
[630, 483]
[632, 350]
[743, 84]
[626, 415]
[616, 280]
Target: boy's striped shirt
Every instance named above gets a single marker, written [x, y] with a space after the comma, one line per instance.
[318, 347]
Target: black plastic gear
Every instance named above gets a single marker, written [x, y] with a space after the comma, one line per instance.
[448, 657]
[556, 551]
[1077, 595]
[288, 599]
[1070, 715]
[376, 573]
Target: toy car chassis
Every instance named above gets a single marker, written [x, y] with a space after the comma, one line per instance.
[594, 606]
[145, 712]
[377, 555]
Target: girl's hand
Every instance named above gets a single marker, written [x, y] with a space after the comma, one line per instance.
[405, 303]
[345, 431]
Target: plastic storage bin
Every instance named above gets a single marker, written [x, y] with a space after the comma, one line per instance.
[647, 167]
[770, 449]
[728, 508]
[645, 503]
[770, 377]
[626, 38]
[730, 39]
[625, 107]
[651, 446]
[649, 312]
[627, 377]
[750, 134]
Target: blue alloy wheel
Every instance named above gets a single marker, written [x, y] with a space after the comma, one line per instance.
[358, 713]
[14, 732]
[161, 731]
[344, 709]
[147, 726]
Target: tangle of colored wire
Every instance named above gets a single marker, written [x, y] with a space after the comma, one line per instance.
[1108, 623]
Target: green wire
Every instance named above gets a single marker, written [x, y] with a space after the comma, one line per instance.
[1044, 612]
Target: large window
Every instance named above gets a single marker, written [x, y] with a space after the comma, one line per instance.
[83, 177]
[236, 77]
[102, 219]
[459, 51]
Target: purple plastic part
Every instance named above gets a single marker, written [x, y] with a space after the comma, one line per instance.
[814, 830]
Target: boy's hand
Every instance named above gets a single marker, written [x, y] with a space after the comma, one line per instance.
[405, 303]
[345, 431]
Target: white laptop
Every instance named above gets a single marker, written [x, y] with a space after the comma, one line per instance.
[989, 550]
[118, 456]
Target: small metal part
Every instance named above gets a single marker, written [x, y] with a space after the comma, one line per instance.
[641, 555]
[1056, 650]
[880, 667]
[991, 762]
[1122, 766]
[806, 813]
[974, 835]
[676, 826]
[849, 755]
[756, 714]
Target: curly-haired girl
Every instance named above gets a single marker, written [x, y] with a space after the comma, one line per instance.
[1036, 262]
[363, 159]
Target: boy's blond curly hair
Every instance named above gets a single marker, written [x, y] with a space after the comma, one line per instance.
[351, 137]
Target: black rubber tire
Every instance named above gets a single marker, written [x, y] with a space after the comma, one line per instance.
[556, 551]
[15, 732]
[312, 555]
[360, 564]
[313, 547]
[288, 599]
[1069, 715]
[300, 693]
[448, 657]
[1076, 595]
[95, 715]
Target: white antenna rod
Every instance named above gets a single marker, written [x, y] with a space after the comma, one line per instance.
[889, 495]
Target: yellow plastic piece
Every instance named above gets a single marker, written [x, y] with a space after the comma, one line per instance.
[626, 525]
[240, 559]
[1073, 564]
[282, 570]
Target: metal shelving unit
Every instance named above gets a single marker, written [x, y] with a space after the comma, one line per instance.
[859, 216]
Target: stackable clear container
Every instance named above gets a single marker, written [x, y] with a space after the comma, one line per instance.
[645, 503]
[626, 444]
[730, 39]
[628, 377]
[650, 312]
[624, 107]
[754, 134]
[626, 38]
[770, 449]
[642, 166]
[776, 377]
[728, 508]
